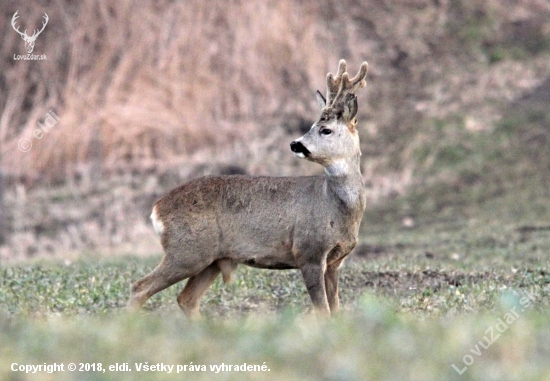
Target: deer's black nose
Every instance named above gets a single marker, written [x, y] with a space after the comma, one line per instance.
[298, 147]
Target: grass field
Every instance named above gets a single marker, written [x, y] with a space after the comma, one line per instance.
[416, 301]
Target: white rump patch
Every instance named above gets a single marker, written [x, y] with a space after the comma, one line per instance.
[157, 223]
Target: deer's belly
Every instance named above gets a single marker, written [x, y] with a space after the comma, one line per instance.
[272, 264]
[276, 255]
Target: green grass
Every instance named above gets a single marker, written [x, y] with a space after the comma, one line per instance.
[372, 342]
[416, 301]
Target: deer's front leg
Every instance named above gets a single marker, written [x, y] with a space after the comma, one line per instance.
[314, 277]
[331, 285]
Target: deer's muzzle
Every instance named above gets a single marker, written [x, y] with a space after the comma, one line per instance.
[299, 149]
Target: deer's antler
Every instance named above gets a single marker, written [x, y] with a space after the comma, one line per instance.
[15, 16]
[44, 23]
[36, 32]
[338, 87]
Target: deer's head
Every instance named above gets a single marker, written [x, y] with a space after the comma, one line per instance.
[29, 40]
[333, 138]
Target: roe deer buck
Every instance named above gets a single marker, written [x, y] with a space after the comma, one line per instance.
[212, 224]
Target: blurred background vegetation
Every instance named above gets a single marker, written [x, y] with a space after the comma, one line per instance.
[150, 94]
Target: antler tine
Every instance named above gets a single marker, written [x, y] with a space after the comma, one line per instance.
[13, 21]
[338, 87]
[358, 81]
[37, 32]
[15, 17]
[333, 84]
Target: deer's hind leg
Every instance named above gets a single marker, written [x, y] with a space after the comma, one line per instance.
[161, 277]
[172, 269]
[196, 286]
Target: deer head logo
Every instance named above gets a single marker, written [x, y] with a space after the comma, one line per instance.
[29, 40]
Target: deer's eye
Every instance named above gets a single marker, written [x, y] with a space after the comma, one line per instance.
[325, 131]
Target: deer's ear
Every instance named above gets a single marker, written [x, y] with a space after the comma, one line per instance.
[321, 99]
[350, 106]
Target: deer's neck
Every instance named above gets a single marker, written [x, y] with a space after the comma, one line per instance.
[344, 180]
